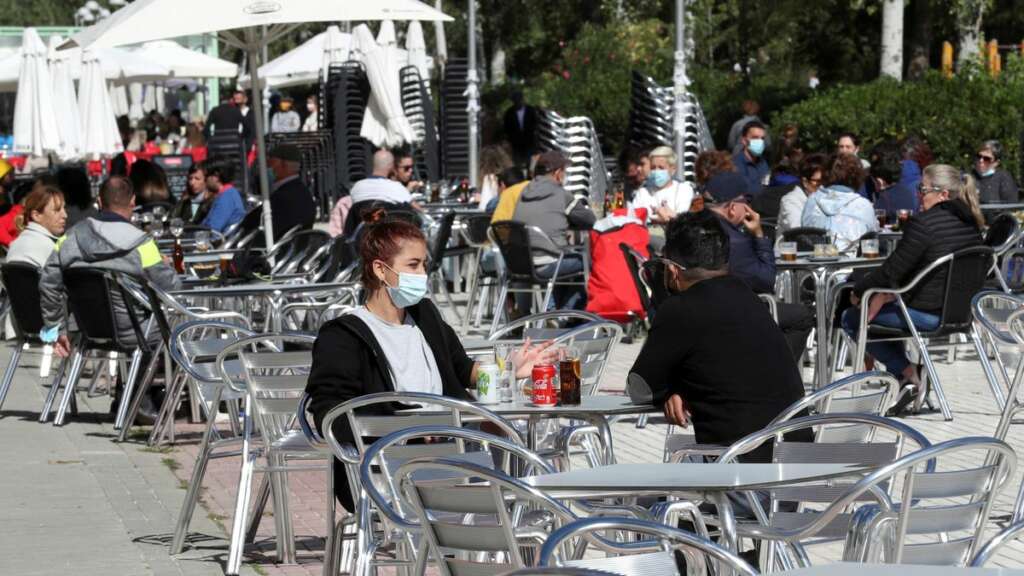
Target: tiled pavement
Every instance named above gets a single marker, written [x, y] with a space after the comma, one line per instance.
[72, 497]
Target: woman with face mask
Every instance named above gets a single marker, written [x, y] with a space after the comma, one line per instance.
[995, 184]
[662, 196]
[396, 341]
[312, 123]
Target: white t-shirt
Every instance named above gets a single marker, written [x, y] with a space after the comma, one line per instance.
[677, 197]
[412, 362]
[380, 189]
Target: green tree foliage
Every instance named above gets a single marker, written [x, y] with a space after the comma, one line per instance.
[38, 12]
[954, 115]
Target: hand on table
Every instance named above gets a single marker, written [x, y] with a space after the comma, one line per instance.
[676, 411]
[527, 356]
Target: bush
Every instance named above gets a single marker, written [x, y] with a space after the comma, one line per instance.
[954, 115]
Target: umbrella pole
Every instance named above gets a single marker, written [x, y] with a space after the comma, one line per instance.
[261, 145]
[680, 82]
[472, 90]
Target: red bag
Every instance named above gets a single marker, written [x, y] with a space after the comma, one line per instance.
[611, 292]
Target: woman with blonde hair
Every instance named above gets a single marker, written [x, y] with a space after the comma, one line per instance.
[950, 220]
[41, 223]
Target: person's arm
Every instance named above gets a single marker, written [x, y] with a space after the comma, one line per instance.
[790, 211]
[761, 274]
[155, 269]
[51, 290]
[579, 214]
[336, 375]
[653, 375]
[904, 261]
[219, 216]
[1008, 191]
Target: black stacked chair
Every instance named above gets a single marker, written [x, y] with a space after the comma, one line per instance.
[317, 169]
[348, 91]
[651, 118]
[419, 109]
[230, 147]
[454, 119]
[440, 251]
[635, 262]
[476, 227]
[21, 281]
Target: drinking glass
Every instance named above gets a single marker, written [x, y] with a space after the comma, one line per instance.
[882, 216]
[903, 215]
[146, 220]
[788, 251]
[159, 212]
[202, 239]
[869, 248]
[503, 358]
[177, 227]
[821, 250]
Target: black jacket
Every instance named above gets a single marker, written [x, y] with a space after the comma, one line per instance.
[226, 118]
[927, 236]
[348, 362]
[292, 204]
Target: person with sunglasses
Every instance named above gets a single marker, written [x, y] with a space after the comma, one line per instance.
[995, 184]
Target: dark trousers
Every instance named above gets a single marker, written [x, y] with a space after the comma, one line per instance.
[796, 322]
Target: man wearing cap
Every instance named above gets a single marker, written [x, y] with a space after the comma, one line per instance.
[291, 202]
[287, 119]
[544, 203]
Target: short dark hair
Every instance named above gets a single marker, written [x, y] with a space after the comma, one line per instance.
[511, 175]
[886, 162]
[116, 192]
[846, 170]
[812, 163]
[753, 124]
[695, 240]
[549, 162]
[400, 153]
[223, 171]
[853, 138]
[630, 155]
[74, 183]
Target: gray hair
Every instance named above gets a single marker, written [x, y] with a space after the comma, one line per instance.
[994, 147]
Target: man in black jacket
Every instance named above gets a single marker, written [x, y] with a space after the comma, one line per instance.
[291, 202]
[521, 128]
[227, 118]
[714, 356]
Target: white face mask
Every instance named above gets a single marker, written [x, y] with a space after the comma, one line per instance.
[311, 107]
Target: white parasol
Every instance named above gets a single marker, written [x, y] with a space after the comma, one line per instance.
[35, 119]
[136, 111]
[118, 65]
[416, 46]
[119, 99]
[386, 35]
[384, 123]
[184, 63]
[65, 103]
[100, 136]
[304, 64]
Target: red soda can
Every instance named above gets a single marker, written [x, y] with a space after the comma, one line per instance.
[543, 377]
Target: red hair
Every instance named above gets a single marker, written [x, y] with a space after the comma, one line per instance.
[383, 241]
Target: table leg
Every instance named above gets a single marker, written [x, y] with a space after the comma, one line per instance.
[728, 521]
[821, 360]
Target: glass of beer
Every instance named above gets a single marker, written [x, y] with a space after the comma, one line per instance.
[787, 250]
[869, 248]
[903, 215]
[821, 250]
[882, 216]
[569, 375]
[225, 263]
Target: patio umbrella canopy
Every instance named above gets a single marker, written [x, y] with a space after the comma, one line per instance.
[35, 118]
[416, 47]
[100, 136]
[118, 65]
[260, 23]
[185, 63]
[384, 122]
[306, 63]
[65, 102]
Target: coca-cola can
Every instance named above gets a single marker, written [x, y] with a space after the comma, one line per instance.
[543, 377]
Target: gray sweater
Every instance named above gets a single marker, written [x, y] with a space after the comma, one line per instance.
[34, 246]
[998, 188]
[546, 205]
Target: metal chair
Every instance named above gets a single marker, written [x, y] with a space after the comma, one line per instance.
[965, 272]
[371, 417]
[299, 251]
[993, 546]
[556, 571]
[650, 556]
[475, 234]
[992, 335]
[518, 252]
[439, 252]
[273, 382]
[1003, 235]
[635, 262]
[945, 509]
[21, 282]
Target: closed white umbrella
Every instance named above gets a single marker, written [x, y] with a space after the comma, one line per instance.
[384, 122]
[119, 100]
[100, 136]
[335, 48]
[260, 22]
[304, 64]
[417, 49]
[135, 106]
[118, 65]
[386, 35]
[65, 102]
[35, 120]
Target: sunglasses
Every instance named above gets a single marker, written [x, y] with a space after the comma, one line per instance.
[923, 190]
[985, 159]
[405, 168]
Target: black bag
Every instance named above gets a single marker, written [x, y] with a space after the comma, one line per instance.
[245, 266]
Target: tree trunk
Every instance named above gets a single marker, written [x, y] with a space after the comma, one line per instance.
[498, 64]
[970, 15]
[892, 39]
[919, 45]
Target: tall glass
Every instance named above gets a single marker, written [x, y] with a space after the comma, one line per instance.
[202, 240]
[503, 358]
[787, 251]
[177, 227]
[882, 216]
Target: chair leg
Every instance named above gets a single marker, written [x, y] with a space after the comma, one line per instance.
[448, 296]
[499, 310]
[282, 515]
[140, 393]
[474, 281]
[165, 420]
[237, 545]
[69, 388]
[128, 389]
[986, 365]
[44, 414]
[194, 486]
[933, 380]
[12, 367]
[262, 497]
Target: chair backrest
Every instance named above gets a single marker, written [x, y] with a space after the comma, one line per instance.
[474, 509]
[992, 310]
[476, 229]
[965, 277]
[94, 296]
[533, 326]
[21, 280]
[653, 274]
[993, 546]
[513, 240]
[309, 315]
[1003, 233]
[634, 262]
[863, 393]
[194, 347]
[293, 253]
[805, 237]
[648, 549]
[440, 241]
[594, 342]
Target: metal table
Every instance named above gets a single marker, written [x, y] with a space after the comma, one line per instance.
[853, 569]
[1002, 207]
[271, 292]
[823, 271]
[706, 481]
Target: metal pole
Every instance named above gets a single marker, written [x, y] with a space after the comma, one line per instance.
[442, 43]
[473, 94]
[679, 82]
[261, 145]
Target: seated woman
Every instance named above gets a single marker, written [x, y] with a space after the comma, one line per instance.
[397, 341]
[950, 220]
[838, 207]
[662, 196]
[194, 204]
[227, 208]
[995, 183]
[41, 223]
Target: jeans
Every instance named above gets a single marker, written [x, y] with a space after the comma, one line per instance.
[892, 354]
[562, 297]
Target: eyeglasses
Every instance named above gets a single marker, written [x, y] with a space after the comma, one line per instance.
[985, 159]
[923, 190]
[405, 168]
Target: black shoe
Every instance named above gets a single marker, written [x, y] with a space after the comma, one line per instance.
[147, 412]
[906, 400]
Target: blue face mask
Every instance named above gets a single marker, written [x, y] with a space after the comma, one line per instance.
[410, 290]
[657, 179]
[988, 172]
[756, 146]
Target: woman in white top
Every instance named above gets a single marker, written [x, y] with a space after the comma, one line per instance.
[662, 196]
[312, 123]
[791, 208]
[41, 223]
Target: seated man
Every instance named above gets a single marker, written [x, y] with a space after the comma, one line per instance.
[227, 208]
[713, 355]
[544, 203]
[377, 187]
[291, 203]
[105, 241]
[752, 259]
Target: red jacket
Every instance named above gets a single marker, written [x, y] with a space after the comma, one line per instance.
[8, 230]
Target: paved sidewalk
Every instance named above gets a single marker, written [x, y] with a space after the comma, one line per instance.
[75, 501]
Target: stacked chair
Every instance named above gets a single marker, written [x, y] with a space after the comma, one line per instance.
[419, 109]
[652, 109]
[347, 91]
[577, 139]
[454, 120]
[317, 164]
[230, 147]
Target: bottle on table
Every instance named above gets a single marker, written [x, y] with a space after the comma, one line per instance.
[179, 257]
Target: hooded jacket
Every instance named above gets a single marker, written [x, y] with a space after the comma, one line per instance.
[546, 205]
[841, 211]
[34, 245]
[106, 242]
[946, 228]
